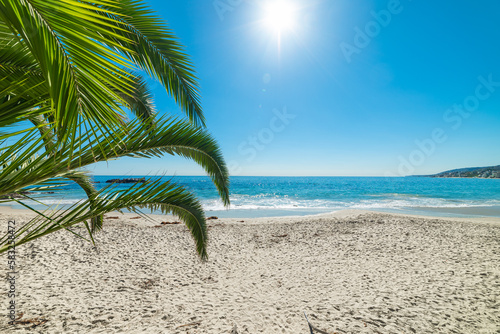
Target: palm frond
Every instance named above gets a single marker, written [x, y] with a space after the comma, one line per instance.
[72, 58]
[140, 99]
[85, 182]
[156, 50]
[154, 195]
[69, 68]
[171, 136]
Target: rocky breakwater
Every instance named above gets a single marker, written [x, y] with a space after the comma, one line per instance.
[127, 180]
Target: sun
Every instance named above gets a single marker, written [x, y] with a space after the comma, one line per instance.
[279, 15]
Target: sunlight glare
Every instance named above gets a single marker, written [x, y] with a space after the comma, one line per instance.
[279, 15]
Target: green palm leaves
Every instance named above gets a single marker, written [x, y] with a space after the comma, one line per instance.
[70, 68]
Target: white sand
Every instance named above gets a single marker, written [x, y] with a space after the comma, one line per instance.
[351, 273]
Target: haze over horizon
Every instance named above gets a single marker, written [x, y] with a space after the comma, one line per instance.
[344, 88]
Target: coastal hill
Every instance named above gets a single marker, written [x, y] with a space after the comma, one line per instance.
[492, 172]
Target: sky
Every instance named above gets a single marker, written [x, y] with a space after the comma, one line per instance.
[338, 87]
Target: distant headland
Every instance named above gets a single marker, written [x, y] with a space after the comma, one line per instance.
[492, 172]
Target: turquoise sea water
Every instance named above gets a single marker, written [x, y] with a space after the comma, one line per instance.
[280, 196]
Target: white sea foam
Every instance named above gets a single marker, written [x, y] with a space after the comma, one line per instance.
[59, 201]
[286, 203]
[267, 201]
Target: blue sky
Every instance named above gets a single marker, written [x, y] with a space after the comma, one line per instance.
[353, 88]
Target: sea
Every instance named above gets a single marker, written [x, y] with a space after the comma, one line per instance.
[258, 196]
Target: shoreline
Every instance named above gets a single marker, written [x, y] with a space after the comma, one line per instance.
[346, 213]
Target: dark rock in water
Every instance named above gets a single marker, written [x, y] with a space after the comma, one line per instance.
[15, 195]
[129, 180]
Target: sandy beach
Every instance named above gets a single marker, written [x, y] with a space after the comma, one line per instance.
[351, 272]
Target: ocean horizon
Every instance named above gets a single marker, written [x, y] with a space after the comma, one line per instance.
[267, 196]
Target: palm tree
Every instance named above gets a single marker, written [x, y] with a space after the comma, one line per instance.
[69, 70]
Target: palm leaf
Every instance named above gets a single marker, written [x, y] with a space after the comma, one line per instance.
[68, 66]
[84, 181]
[154, 195]
[171, 136]
[72, 59]
[139, 99]
[156, 50]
